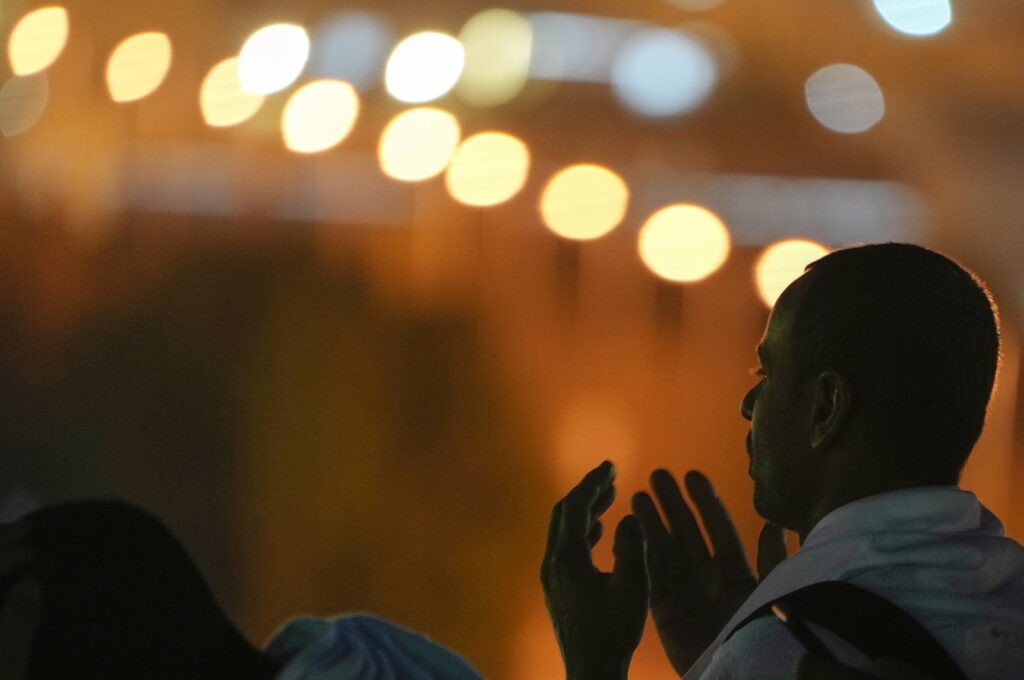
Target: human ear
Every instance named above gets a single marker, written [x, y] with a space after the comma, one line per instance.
[830, 408]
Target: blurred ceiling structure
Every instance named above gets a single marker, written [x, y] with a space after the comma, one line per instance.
[950, 99]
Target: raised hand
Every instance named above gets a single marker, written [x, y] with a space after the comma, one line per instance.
[19, 615]
[598, 617]
[694, 590]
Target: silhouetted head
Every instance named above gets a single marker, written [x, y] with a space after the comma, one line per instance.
[879, 364]
[122, 599]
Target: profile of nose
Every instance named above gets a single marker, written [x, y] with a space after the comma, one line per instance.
[747, 404]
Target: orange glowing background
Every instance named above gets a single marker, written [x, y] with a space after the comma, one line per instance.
[353, 334]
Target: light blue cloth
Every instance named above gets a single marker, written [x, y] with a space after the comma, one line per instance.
[361, 647]
[936, 552]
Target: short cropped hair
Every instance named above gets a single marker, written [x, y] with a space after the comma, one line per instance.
[122, 599]
[917, 336]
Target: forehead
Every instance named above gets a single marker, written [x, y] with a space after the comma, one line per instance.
[778, 331]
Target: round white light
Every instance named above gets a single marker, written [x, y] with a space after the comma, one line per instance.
[319, 115]
[782, 263]
[487, 169]
[662, 72]
[37, 40]
[221, 98]
[418, 144]
[584, 202]
[272, 58]
[424, 66]
[684, 243]
[498, 45]
[138, 65]
[845, 98]
[916, 17]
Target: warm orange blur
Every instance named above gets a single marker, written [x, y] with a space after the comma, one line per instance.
[351, 384]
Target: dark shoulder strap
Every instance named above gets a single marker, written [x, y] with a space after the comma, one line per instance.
[869, 622]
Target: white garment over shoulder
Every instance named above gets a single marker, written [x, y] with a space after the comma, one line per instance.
[361, 647]
[935, 552]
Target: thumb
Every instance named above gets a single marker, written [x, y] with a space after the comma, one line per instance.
[771, 549]
[817, 667]
[629, 551]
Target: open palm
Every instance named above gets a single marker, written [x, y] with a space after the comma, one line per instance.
[696, 590]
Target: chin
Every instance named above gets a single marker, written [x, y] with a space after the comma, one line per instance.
[764, 507]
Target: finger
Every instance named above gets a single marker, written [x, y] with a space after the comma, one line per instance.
[816, 667]
[603, 502]
[662, 554]
[18, 622]
[658, 538]
[582, 499]
[721, 530]
[680, 518]
[572, 547]
[629, 570]
[771, 549]
[594, 535]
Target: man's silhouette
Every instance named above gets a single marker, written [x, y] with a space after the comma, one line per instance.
[876, 369]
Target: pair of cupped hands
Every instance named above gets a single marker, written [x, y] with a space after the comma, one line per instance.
[692, 589]
[598, 617]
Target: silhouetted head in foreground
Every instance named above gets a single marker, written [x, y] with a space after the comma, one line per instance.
[877, 368]
[122, 599]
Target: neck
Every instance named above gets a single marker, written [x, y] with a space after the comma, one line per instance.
[842, 484]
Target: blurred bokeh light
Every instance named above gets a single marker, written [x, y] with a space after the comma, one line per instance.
[584, 202]
[272, 58]
[320, 317]
[497, 43]
[418, 144]
[222, 100]
[22, 102]
[423, 67]
[916, 17]
[352, 46]
[138, 65]
[576, 47]
[37, 40]
[845, 98]
[488, 168]
[663, 72]
[319, 115]
[684, 243]
[781, 263]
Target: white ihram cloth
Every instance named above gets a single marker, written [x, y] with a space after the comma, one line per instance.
[935, 552]
[361, 647]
